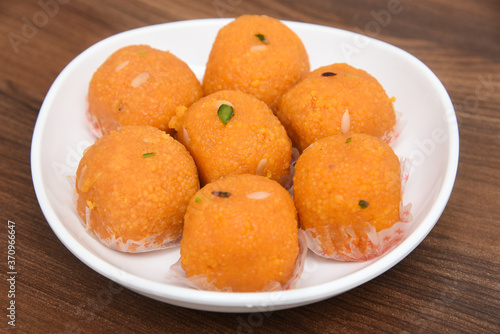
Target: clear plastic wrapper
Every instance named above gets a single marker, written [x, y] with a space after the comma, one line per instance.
[287, 180]
[150, 243]
[347, 243]
[200, 282]
[147, 244]
[392, 136]
[93, 125]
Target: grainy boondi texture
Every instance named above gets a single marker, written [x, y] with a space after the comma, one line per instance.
[347, 182]
[265, 65]
[242, 233]
[252, 141]
[133, 186]
[335, 99]
[140, 85]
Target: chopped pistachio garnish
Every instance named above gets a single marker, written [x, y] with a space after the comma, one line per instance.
[221, 193]
[147, 155]
[262, 38]
[328, 74]
[142, 52]
[350, 75]
[225, 113]
[197, 199]
[363, 204]
[348, 140]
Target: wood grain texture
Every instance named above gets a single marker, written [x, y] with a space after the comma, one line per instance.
[448, 284]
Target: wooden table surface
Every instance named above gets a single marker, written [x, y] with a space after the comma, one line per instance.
[449, 283]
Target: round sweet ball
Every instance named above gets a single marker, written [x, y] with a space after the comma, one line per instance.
[240, 235]
[133, 188]
[258, 55]
[231, 132]
[140, 85]
[344, 186]
[336, 99]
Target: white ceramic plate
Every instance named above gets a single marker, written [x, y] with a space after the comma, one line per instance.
[430, 138]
